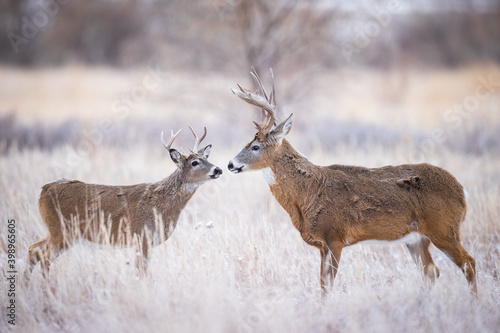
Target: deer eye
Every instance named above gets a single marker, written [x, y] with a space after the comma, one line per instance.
[255, 148]
[195, 163]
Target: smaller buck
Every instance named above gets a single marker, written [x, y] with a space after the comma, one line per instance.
[144, 215]
[337, 206]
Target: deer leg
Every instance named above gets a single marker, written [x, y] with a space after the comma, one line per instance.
[455, 251]
[35, 253]
[330, 257]
[323, 270]
[44, 252]
[142, 256]
[422, 257]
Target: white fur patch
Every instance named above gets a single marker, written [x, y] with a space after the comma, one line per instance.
[269, 176]
[190, 188]
[411, 238]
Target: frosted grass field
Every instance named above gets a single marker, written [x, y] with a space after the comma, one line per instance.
[235, 263]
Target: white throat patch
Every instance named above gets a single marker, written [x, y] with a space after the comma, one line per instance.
[269, 176]
[190, 188]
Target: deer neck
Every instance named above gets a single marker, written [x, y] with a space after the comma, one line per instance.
[289, 174]
[294, 176]
[173, 194]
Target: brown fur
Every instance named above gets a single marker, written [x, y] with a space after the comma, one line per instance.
[142, 214]
[336, 206]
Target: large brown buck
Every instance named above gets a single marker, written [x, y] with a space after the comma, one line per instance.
[337, 206]
[144, 214]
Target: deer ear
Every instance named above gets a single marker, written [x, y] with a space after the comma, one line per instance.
[206, 151]
[176, 157]
[283, 129]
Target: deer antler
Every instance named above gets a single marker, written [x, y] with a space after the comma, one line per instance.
[260, 99]
[198, 140]
[172, 138]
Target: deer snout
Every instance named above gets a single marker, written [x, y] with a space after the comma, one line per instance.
[234, 169]
[217, 173]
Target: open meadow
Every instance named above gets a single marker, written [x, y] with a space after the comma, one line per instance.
[235, 263]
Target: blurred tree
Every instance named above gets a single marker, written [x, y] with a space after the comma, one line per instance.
[226, 34]
[283, 33]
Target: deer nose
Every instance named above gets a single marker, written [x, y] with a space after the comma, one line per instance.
[230, 166]
[216, 174]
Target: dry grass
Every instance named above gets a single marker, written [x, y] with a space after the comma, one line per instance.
[235, 263]
[400, 96]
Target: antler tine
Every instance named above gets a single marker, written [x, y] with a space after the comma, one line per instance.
[258, 81]
[272, 101]
[253, 99]
[171, 140]
[265, 116]
[271, 118]
[198, 140]
[272, 98]
[260, 99]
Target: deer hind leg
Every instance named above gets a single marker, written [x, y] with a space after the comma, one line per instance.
[451, 246]
[330, 258]
[422, 257]
[36, 253]
[44, 252]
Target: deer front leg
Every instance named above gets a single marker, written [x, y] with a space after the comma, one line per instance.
[142, 254]
[330, 258]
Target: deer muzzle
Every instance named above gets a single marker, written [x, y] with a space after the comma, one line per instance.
[217, 173]
[233, 168]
